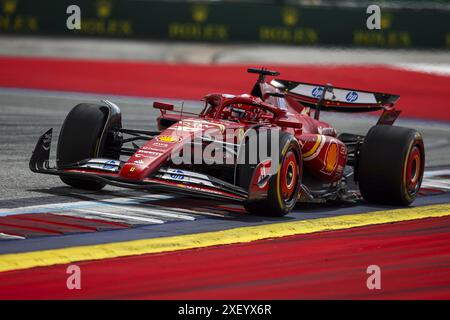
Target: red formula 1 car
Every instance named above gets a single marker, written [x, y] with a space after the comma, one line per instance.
[267, 150]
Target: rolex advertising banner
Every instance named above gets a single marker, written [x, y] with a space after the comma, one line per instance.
[226, 22]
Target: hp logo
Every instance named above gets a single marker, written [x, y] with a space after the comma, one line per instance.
[352, 96]
[317, 92]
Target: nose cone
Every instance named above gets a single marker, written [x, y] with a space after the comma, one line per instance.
[158, 151]
[151, 156]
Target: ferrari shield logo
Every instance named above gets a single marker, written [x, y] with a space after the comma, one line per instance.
[168, 138]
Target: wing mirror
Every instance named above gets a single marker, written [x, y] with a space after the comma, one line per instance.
[163, 106]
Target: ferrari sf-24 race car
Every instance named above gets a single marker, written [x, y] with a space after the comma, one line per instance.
[304, 159]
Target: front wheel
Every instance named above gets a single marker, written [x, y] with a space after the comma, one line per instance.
[83, 137]
[284, 186]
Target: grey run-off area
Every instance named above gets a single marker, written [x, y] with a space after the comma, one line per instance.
[26, 114]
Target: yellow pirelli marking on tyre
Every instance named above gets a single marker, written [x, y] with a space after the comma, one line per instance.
[27, 260]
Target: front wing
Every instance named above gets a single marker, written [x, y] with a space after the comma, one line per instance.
[106, 171]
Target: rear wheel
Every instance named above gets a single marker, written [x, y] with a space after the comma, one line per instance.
[283, 186]
[82, 137]
[391, 165]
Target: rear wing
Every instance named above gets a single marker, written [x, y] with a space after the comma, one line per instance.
[330, 98]
[335, 98]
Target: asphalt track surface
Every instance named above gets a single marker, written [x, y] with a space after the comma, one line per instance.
[25, 114]
[117, 215]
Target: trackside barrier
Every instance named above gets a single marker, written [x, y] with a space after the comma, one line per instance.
[229, 22]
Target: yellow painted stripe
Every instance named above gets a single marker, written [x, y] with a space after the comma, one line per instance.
[26, 260]
[314, 148]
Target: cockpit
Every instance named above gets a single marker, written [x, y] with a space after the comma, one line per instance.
[238, 109]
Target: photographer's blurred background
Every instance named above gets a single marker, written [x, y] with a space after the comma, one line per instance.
[243, 24]
[185, 49]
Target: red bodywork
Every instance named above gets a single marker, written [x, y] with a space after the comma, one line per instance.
[281, 104]
[323, 154]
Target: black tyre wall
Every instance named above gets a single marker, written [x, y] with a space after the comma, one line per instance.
[381, 165]
[81, 138]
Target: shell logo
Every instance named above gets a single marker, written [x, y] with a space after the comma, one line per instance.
[331, 158]
[168, 138]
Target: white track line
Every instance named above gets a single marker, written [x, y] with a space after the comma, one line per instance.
[5, 236]
[437, 184]
[122, 216]
[191, 211]
[78, 204]
[442, 172]
[156, 212]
